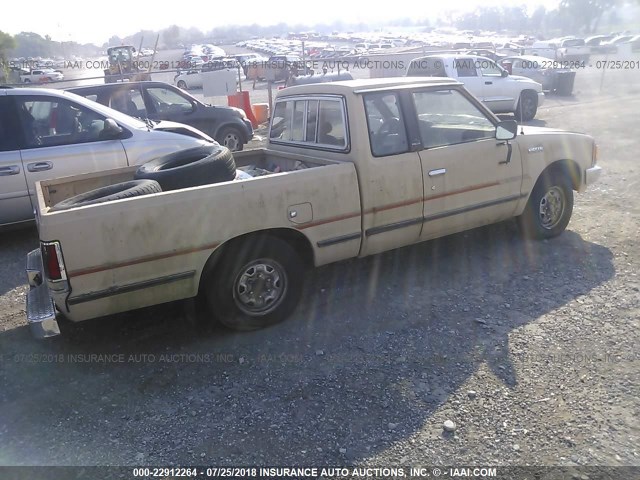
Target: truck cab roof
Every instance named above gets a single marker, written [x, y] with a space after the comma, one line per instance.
[366, 85]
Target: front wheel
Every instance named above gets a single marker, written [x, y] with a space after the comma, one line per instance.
[549, 208]
[231, 138]
[182, 85]
[257, 284]
[527, 106]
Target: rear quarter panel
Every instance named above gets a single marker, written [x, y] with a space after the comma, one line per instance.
[125, 242]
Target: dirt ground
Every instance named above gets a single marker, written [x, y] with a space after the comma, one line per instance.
[531, 348]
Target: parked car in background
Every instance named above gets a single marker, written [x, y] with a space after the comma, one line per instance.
[543, 48]
[42, 76]
[509, 48]
[489, 82]
[191, 62]
[246, 59]
[284, 66]
[193, 78]
[611, 46]
[595, 41]
[549, 73]
[46, 133]
[162, 101]
[479, 52]
[573, 49]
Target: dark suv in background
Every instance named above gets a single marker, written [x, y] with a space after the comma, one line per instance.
[161, 101]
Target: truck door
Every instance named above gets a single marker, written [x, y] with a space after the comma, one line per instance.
[470, 179]
[60, 137]
[499, 92]
[15, 205]
[391, 184]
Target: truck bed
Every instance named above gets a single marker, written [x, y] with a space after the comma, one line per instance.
[129, 253]
[263, 160]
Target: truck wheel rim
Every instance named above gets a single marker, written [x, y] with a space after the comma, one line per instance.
[552, 206]
[231, 140]
[260, 287]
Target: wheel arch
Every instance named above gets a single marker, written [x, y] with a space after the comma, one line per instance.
[566, 167]
[298, 241]
[222, 124]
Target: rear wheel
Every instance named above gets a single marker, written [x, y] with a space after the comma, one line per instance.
[182, 85]
[258, 283]
[549, 209]
[527, 106]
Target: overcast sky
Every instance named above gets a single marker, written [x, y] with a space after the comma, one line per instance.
[95, 22]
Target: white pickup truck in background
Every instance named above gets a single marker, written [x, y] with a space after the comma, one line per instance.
[561, 49]
[43, 75]
[489, 82]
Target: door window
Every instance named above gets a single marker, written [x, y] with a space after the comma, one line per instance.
[446, 117]
[490, 69]
[465, 67]
[47, 122]
[166, 101]
[387, 133]
[128, 101]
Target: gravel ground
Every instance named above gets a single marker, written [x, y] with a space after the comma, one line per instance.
[529, 348]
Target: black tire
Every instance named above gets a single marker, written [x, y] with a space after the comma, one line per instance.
[26, 80]
[527, 107]
[232, 138]
[264, 267]
[189, 168]
[134, 188]
[182, 85]
[549, 208]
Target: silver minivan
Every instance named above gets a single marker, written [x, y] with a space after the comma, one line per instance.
[46, 133]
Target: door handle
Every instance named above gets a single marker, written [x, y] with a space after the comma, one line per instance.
[10, 170]
[39, 166]
[488, 83]
[438, 171]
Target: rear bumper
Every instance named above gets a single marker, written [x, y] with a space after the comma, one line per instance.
[540, 98]
[592, 175]
[41, 311]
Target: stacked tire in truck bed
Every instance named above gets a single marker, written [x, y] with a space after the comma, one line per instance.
[203, 165]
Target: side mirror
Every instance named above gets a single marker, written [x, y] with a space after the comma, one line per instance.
[506, 130]
[504, 73]
[111, 129]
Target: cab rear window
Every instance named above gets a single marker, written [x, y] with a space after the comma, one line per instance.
[309, 121]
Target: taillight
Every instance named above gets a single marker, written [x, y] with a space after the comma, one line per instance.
[52, 261]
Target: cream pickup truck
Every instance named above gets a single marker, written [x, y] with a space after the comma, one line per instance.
[351, 169]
